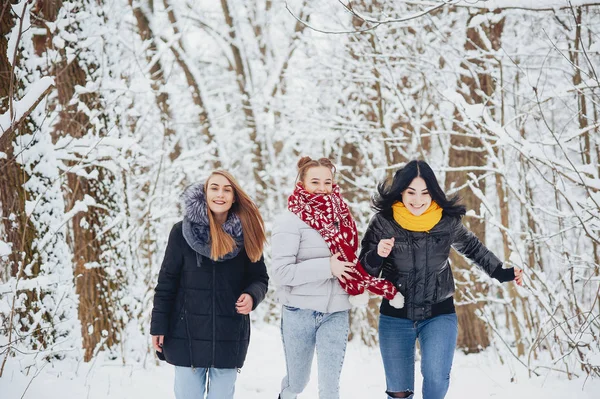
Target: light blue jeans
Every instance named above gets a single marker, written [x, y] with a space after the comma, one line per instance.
[192, 383]
[302, 330]
[437, 338]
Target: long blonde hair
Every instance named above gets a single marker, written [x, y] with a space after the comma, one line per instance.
[252, 224]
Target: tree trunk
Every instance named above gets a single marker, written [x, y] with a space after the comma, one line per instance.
[157, 78]
[581, 101]
[473, 334]
[94, 286]
[192, 80]
[17, 228]
[242, 80]
[514, 295]
[477, 88]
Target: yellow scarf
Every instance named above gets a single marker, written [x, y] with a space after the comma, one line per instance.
[424, 222]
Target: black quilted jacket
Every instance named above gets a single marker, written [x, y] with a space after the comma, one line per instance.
[194, 305]
[418, 264]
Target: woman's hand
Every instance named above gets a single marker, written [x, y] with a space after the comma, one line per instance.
[518, 276]
[385, 246]
[340, 269]
[157, 342]
[244, 304]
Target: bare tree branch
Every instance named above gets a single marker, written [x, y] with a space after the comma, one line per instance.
[327, 31]
[365, 18]
[7, 134]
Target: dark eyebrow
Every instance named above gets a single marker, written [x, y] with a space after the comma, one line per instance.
[316, 179]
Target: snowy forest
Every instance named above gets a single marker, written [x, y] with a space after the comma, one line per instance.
[110, 108]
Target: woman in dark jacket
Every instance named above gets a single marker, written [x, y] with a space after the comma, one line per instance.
[408, 241]
[212, 276]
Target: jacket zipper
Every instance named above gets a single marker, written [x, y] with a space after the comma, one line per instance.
[427, 236]
[187, 329]
[237, 351]
[414, 270]
[214, 312]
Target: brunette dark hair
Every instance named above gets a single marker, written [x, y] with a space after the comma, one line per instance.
[389, 192]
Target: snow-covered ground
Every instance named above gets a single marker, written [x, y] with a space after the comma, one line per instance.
[473, 376]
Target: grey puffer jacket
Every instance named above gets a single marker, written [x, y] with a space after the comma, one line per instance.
[418, 264]
[300, 267]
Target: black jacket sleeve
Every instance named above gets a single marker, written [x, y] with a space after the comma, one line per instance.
[469, 245]
[371, 261]
[168, 283]
[258, 281]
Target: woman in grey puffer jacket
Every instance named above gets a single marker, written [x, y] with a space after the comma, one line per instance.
[315, 307]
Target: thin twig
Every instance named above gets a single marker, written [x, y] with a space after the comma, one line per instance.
[328, 31]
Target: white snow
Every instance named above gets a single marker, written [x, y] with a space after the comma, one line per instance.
[325, 101]
[5, 248]
[14, 34]
[473, 377]
[525, 4]
[20, 107]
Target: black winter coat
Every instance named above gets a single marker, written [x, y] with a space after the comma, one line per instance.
[194, 305]
[419, 266]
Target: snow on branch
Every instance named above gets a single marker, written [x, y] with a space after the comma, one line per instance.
[363, 17]
[375, 22]
[533, 5]
[22, 108]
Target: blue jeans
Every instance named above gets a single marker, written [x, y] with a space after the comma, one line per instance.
[190, 383]
[302, 330]
[437, 339]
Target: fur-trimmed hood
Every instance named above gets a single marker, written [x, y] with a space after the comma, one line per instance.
[196, 230]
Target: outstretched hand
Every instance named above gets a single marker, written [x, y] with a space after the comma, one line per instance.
[519, 276]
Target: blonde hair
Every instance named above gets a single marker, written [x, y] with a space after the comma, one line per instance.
[305, 163]
[252, 224]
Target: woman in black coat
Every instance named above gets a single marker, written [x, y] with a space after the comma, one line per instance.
[408, 241]
[212, 276]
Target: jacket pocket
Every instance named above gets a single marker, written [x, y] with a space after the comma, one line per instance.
[403, 281]
[181, 310]
[444, 285]
[177, 316]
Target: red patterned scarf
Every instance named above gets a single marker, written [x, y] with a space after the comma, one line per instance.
[330, 216]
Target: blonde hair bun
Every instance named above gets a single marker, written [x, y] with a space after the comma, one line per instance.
[304, 161]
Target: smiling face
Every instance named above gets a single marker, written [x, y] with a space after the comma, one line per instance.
[219, 195]
[416, 197]
[318, 180]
